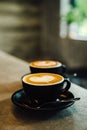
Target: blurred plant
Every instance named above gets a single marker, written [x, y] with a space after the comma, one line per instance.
[78, 13]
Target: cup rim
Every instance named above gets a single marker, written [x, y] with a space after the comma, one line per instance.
[34, 84]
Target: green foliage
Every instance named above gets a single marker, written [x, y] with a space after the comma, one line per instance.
[77, 13]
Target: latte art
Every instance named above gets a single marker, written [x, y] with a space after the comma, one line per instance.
[43, 79]
[45, 64]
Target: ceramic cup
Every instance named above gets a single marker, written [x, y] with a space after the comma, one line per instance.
[44, 86]
[47, 66]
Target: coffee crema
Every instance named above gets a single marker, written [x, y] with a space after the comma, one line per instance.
[43, 79]
[45, 64]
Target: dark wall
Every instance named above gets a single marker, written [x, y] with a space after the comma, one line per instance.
[20, 28]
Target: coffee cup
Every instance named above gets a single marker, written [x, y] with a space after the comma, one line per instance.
[47, 66]
[44, 86]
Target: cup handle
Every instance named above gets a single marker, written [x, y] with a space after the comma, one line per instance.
[66, 85]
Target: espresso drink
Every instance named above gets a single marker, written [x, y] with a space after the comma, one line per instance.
[45, 64]
[43, 79]
[44, 86]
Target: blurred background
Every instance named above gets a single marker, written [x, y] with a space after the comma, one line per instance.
[46, 29]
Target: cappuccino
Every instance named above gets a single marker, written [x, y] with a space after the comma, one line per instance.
[45, 64]
[44, 87]
[43, 79]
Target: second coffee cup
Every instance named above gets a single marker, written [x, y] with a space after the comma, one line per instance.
[47, 66]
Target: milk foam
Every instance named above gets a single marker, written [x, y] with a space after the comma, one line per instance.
[43, 79]
[45, 64]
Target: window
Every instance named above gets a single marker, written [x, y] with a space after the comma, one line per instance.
[73, 19]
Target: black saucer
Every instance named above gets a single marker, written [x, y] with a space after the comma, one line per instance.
[19, 99]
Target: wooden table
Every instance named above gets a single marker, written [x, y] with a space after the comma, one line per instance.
[11, 117]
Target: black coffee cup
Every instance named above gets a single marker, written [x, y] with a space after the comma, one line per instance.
[47, 66]
[44, 86]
